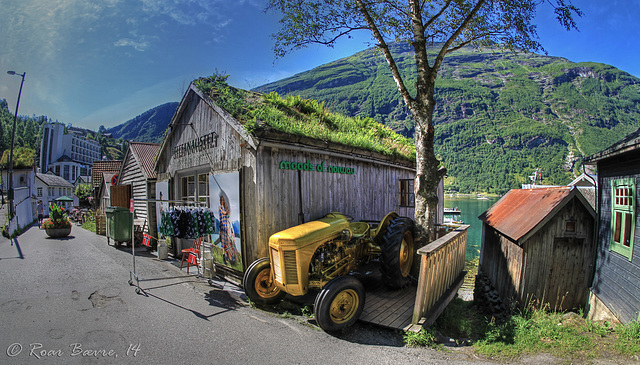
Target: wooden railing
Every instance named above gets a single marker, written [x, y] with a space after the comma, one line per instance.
[441, 275]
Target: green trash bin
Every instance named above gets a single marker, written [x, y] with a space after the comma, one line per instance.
[119, 221]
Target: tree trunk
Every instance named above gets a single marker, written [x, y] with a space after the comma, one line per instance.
[427, 176]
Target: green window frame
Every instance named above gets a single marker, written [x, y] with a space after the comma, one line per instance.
[623, 216]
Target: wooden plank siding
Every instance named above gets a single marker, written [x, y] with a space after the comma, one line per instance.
[369, 194]
[616, 281]
[131, 174]
[559, 264]
[502, 261]
[441, 266]
[197, 120]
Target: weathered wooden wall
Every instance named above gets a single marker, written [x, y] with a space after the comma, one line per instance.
[368, 194]
[120, 196]
[617, 280]
[199, 119]
[559, 264]
[502, 261]
[131, 174]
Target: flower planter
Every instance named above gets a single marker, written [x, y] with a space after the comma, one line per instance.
[58, 232]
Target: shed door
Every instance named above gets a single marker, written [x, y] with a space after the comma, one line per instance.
[567, 283]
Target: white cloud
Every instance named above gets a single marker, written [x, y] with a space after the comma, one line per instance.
[127, 42]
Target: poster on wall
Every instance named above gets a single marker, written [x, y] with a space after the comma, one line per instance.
[224, 192]
[162, 193]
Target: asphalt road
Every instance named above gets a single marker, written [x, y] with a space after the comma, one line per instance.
[66, 301]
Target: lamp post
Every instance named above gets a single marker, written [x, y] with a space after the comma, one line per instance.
[13, 138]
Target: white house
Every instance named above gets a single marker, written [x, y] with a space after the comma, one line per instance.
[49, 187]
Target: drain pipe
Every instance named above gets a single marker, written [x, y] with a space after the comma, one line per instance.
[301, 214]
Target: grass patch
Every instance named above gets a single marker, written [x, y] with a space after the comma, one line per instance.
[424, 338]
[90, 222]
[567, 336]
[628, 341]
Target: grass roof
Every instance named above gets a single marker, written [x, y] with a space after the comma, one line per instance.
[303, 117]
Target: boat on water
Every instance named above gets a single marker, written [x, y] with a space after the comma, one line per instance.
[449, 220]
[452, 211]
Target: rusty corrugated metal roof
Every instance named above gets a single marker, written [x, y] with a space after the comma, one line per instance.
[145, 153]
[521, 210]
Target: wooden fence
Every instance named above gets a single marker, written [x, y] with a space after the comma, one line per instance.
[441, 275]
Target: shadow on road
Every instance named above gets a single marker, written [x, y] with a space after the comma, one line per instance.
[14, 242]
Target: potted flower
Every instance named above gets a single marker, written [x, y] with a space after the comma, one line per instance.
[57, 225]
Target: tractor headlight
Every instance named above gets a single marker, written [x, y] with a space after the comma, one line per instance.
[346, 235]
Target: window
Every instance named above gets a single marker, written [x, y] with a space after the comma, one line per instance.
[407, 197]
[623, 216]
[203, 188]
[189, 188]
[39, 192]
[50, 191]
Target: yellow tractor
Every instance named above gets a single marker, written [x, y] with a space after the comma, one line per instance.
[320, 255]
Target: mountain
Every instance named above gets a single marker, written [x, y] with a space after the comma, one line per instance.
[148, 126]
[499, 116]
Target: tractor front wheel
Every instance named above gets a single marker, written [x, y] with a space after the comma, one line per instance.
[259, 285]
[397, 253]
[339, 304]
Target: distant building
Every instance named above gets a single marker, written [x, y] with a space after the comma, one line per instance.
[82, 180]
[67, 155]
[50, 187]
[98, 179]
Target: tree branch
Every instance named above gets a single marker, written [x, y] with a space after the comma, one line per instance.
[435, 17]
[387, 53]
[456, 34]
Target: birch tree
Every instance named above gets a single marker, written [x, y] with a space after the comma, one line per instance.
[446, 24]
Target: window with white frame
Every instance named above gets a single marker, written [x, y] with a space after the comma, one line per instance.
[189, 188]
[203, 188]
[39, 192]
[623, 216]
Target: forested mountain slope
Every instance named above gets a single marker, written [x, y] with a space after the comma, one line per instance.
[499, 116]
[148, 126]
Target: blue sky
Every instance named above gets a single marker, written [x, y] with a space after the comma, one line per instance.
[103, 62]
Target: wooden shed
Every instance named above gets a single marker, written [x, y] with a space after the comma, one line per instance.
[137, 170]
[110, 167]
[272, 180]
[615, 291]
[538, 247]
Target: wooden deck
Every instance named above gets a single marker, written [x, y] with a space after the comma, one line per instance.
[390, 309]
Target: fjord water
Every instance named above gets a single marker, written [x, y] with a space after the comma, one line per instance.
[471, 208]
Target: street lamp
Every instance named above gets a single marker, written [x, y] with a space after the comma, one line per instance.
[13, 137]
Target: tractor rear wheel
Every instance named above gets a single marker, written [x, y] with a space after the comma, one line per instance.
[339, 304]
[397, 253]
[259, 285]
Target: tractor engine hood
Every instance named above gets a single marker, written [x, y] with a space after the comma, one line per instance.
[326, 228]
